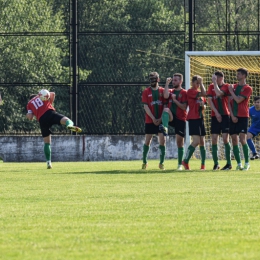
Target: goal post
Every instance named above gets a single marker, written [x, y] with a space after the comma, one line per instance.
[205, 63]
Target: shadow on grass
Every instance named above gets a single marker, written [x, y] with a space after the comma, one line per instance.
[147, 172]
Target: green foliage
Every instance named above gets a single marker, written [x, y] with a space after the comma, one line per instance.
[232, 17]
[29, 59]
[120, 41]
[124, 58]
[32, 58]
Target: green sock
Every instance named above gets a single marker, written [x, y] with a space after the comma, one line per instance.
[203, 154]
[162, 153]
[145, 152]
[69, 123]
[47, 151]
[236, 153]
[227, 153]
[215, 153]
[165, 119]
[180, 155]
[189, 153]
[246, 153]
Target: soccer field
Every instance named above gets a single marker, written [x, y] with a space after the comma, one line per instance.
[113, 210]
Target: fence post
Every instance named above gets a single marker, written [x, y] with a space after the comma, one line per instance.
[75, 61]
[191, 25]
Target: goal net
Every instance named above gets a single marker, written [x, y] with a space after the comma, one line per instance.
[205, 64]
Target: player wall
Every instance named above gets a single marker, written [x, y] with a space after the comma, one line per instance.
[81, 148]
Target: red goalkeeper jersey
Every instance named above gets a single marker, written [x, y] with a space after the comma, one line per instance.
[155, 101]
[241, 109]
[181, 96]
[194, 99]
[220, 103]
[39, 107]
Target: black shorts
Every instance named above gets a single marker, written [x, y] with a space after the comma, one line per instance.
[239, 127]
[48, 119]
[220, 127]
[179, 125]
[197, 127]
[151, 129]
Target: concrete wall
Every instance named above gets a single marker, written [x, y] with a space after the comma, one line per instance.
[81, 148]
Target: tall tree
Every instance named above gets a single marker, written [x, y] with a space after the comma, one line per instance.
[29, 59]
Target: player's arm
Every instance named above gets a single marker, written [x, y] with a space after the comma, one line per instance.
[166, 88]
[29, 115]
[218, 92]
[238, 99]
[52, 97]
[229, 107]
[233, 118]
[203, 92]
[182, 106]
[150, 114]
[212, 106]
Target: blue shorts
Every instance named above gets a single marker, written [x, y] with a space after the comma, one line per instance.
[254, 131]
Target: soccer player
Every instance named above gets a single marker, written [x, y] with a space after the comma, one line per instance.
[218, 101]
[239, 112]
[153, 101]
[175, 114]
[254, 129]
[47, 116]
[196, 102]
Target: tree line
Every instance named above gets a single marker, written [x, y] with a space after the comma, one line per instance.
[120, 42]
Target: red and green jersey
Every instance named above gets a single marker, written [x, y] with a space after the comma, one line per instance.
[155, 101]
[181, 96]
[194, 99]
[241, 109]
[38, 107]
[220, 103]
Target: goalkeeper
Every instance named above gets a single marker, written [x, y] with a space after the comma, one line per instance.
[254, 129]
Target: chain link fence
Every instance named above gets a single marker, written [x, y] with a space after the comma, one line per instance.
[119, 43]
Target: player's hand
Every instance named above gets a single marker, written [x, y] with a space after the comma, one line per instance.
[214, 78]
[156, 121]
[234, 119]
[173, 97]
[168, 80]
[200, 80]
[201, 103]
[219, 117]
[231, 88]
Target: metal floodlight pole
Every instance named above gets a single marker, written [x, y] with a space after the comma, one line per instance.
[75, 61]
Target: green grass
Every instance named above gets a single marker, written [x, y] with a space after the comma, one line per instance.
[113, 210]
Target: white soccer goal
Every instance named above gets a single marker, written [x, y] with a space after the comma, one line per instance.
[205, 64]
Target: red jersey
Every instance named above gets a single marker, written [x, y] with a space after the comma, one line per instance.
[220, 103]
[194, 99]
[155, 101]
[38, 107]
[241, 109]
[181, 96]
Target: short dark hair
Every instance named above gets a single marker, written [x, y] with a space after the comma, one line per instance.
[244, 71]
[178, 75]
[195, 78]
[219, 73]
[32, 96]
[256, 98]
